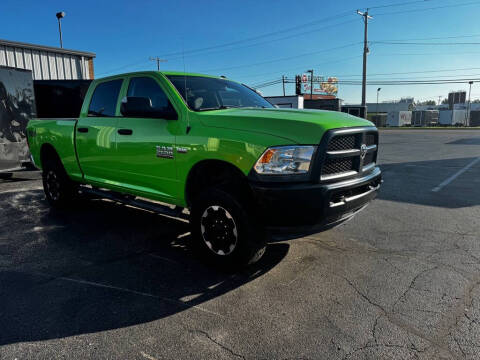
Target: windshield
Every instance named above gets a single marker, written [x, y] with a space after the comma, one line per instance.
[204, 93]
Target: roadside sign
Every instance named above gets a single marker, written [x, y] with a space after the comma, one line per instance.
[321, 85]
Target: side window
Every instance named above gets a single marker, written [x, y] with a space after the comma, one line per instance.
[147, 87]
[104, 99]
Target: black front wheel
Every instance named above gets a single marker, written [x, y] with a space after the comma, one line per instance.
[224, 232]
[59, 189]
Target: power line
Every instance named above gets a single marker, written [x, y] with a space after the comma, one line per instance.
[432, 38]
[286, 78]
[326, 19]
[346, 75]
[312, 23]
[329, 18]
[143, 61]
[283, 59]
[269, 84]
[430, 8]
[424, 43]
[414, 72]
[398, 4]
[429, 54]
[181, 55]
[387, 82]
[413, 78]
[268, 41]
[355, 57]
[466, 77]
[303, 67]
[411, 82]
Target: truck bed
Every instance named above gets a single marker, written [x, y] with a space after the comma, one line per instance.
[63, 131]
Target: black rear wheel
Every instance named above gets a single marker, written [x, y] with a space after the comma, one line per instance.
[224, 232]
[59, 189]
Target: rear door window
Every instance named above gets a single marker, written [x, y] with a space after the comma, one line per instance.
[105, 98]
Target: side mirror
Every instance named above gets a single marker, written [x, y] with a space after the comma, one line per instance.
[136, 106]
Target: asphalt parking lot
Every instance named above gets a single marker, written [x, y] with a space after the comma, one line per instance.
[401, 280]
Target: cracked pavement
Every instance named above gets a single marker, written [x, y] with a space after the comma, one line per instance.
[399, 281]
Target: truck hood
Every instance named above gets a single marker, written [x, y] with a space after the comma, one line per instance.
[299, 126]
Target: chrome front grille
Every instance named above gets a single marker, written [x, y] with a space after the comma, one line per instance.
[348, 153]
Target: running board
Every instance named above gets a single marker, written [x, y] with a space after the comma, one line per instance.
[176, 212]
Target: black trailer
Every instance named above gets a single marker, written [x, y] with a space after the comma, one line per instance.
[17, 107]
[22, 98]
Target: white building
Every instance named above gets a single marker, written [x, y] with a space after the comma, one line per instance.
[46, 62]
[289, 102]
[404, 104]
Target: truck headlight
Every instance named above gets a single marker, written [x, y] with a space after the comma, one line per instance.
[285, 160]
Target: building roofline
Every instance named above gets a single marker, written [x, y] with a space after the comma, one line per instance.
[46, 48]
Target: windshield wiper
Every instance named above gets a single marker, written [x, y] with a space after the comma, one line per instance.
[210, 108]
[223, 107]
[231, 106]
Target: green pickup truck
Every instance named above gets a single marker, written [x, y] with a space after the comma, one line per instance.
[212, 151]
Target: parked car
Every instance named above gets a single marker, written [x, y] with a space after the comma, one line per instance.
[211, 150]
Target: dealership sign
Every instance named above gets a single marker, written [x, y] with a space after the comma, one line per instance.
[328, 86]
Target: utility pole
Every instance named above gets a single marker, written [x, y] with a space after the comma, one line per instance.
[439, 99]
[365, 17]
[467, 120]
[158, 60]
[283, 84]
[311, 83]
[60, 15]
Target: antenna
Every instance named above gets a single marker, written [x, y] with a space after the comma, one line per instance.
[185, 87]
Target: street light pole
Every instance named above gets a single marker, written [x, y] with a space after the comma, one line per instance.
[60, 15]
[376, 110]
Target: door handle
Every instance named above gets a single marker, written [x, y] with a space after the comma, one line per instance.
[125, 131]
[82, 130]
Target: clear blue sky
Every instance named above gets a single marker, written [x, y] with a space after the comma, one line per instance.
[323, 35]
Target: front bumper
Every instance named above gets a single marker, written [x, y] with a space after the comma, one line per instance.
[283, 206]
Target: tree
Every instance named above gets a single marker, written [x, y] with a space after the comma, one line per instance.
[476, 101]
[445, 101]
[427, 102]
